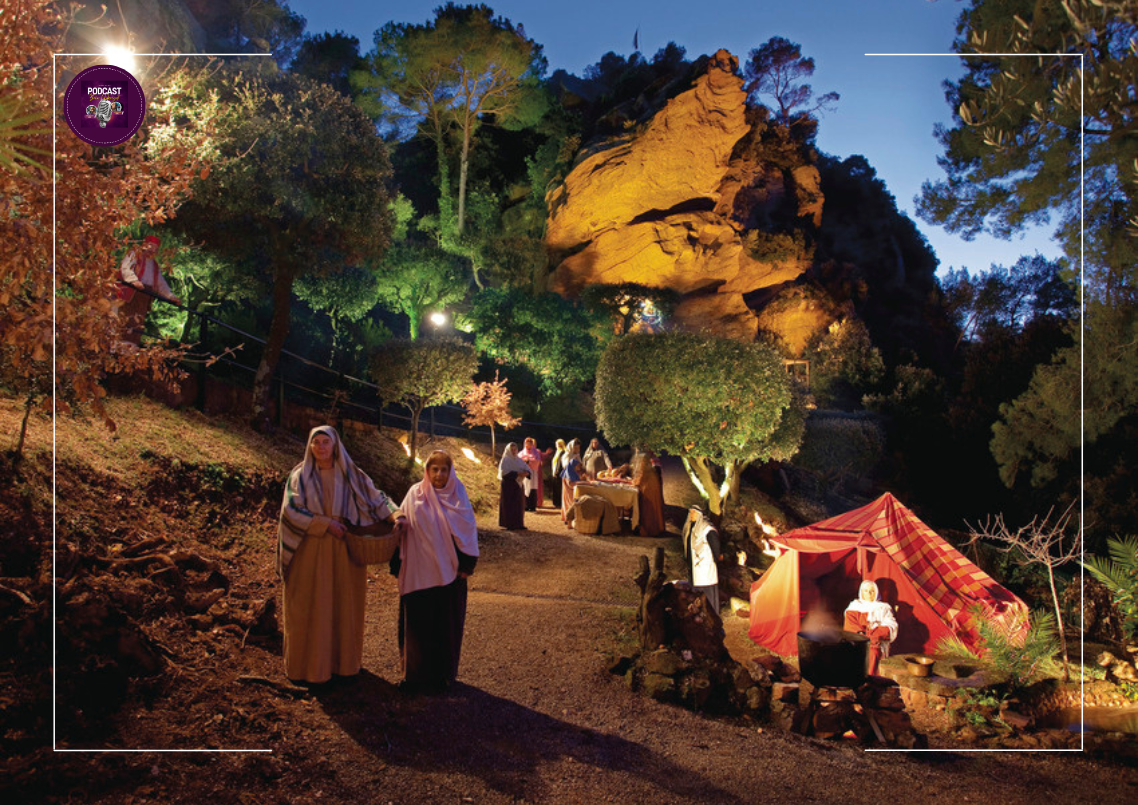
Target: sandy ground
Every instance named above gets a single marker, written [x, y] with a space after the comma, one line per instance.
[537, 718]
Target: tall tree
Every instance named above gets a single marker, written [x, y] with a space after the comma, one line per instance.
[716, 403]
[253, 26]
[330, 58]
[301, 189]
[774, 71]
[1028, 129]
[455, 72]
[1013, 157]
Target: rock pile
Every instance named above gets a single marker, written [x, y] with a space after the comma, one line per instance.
[683, 658]
[873, 712]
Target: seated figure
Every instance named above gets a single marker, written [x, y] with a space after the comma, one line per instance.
[874, 619]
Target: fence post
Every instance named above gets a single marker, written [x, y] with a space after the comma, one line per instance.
[203, 333]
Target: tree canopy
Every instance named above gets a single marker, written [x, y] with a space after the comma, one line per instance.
[709, 400]
[1029, 129]
[418, 374]
[300, 188]
[1013, 157]
[774, 71]
[558, 340]
[455, 72]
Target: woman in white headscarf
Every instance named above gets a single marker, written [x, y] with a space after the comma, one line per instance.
[873, 618]
[512, 472]
[324, 591]
[436, 557]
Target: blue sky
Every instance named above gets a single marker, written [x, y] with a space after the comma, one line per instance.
[888, 105]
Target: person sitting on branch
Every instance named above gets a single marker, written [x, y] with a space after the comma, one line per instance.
[140, 272]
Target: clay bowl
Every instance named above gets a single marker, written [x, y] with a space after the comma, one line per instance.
[920, 665]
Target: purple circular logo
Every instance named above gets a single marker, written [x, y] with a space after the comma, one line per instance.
[104, 105]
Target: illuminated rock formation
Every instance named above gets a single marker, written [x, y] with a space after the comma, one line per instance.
[670, 206]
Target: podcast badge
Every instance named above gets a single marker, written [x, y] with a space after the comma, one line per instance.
[104, 105]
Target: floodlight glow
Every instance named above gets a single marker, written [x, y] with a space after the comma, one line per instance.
[438, 319]
[118, 56]
[466, 451]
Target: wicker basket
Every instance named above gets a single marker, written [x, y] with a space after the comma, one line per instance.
[371, 545]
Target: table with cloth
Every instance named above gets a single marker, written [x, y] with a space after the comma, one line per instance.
[623, 496]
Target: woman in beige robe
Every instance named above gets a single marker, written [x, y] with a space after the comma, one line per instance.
[324, 591]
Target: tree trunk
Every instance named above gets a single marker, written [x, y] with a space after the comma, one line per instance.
[462, 172]
[416, 413]
[699, 470]
[493, 443]
[278, 330]
[414, 318]
[734, 477]
[18, 453]
[1059, 623]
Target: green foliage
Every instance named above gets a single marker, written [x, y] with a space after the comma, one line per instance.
[871, 256]
[916, 390]
[558, 340]
[449, 75]
[415, 278]
[844, 365]
[1014, 156]
[1042, 429]
[632, 306]
[840, 448]
[251, 26]
[692, 394]
[417, 374]
[300, 188]
[20, 118]
[776, 247]
[711, 401]
[1008, 298]
[1119, 573]
[774, 70]
[329, 58]
[1023, 660]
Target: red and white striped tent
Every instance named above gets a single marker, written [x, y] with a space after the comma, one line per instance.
[932, 587]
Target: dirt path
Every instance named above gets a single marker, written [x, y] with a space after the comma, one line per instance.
[537, 718]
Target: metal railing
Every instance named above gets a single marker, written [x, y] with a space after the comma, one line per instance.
[381, 415]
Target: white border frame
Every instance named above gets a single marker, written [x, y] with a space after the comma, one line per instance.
[1082, 348]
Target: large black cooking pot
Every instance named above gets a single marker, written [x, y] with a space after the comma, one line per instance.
[834, 658]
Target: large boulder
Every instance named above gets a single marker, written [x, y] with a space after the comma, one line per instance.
[670, 207]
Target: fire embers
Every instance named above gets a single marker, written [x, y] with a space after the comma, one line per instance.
[871, 713]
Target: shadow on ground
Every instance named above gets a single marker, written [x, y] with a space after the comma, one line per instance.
[471, 732]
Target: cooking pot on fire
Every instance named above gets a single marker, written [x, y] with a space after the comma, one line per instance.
[836, 658]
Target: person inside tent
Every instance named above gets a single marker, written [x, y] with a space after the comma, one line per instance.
[873, 618]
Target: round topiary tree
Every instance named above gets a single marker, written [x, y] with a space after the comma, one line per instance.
[718, 404]
[418, 374]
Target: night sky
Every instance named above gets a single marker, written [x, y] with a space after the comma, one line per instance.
[888, 105]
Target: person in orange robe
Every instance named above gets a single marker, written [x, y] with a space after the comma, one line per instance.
[647, 482]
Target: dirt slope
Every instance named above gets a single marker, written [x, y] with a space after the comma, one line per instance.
[535, 718]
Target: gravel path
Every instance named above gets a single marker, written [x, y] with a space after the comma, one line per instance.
[536, 717]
